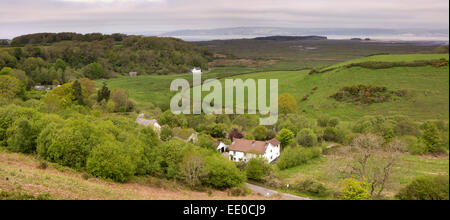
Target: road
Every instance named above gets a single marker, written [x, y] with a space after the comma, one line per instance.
[269, 193]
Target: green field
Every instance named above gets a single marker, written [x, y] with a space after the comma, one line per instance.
[427, 88]
[408, 168]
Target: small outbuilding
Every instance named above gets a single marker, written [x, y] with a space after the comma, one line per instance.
[196, 70]
[145, 122]
[133, 74]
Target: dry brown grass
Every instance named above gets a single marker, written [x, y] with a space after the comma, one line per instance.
[20, 172]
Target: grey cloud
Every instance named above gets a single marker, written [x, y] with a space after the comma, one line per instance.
[27, 16]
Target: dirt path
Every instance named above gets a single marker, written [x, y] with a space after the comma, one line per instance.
[269, 193]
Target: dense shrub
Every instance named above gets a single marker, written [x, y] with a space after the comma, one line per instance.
[170, 156]
[21, 137]
[311, 187]
[71, 145]
[431, 137]
[426, 188]
[258, 169]
[406, 127]
[110, 160]
[322, 121]
[172, 120]
[307, 138]
[294, 156]
[333, 134]
[362, 94]
[415, 145]
[240, 191]
[166, 133]
[352, 189]
[222, 173]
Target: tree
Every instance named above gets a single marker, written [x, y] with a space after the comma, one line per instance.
[260, 133]
[172, 120]
[431, 137]
[354, 190]
[78, 92]
[205, 141]
[104, 93]
[222, 173]
[372, 162]
[21, 137]
[286, 137]
[120, 98]
[235, 134]
[171, 154]
[258, 169]
[60, 65]
[217, 130]
[9, 87]
[193, 169]
[307, 138]
[94, 71]
[73, 143]
[287, 104]
[110, 160]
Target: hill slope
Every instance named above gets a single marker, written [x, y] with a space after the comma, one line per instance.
[427, 88]
[19, 175]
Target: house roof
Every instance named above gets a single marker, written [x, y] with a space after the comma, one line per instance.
[249, 146]
[274, 142]
[146, 122]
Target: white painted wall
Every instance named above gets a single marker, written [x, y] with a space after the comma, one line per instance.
[272, 153]
[222, 145]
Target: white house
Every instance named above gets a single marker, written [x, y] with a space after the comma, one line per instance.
[196, 70]
[221, 147]
[244, 150]
[145, 122]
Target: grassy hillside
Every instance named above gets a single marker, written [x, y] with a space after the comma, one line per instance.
[427, 88]
[21, 178]
[408, 168]
[393, 58]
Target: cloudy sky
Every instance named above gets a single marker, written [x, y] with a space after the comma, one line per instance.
[155, 16]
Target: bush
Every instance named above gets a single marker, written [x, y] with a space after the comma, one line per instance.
[311, 187]
[406, 127]
[332, 134]
[307, 138]
[42, 165]
[70, 145]
[352, 189]
[258, 169]
[426, 188]
[222, 173]
[431, 137]
[333, 122]
[240, 191]
[21, 137]
[415, 145]
[323, 121]
[110, 160]
[170, 156]
[166, 133]
[294, 156]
